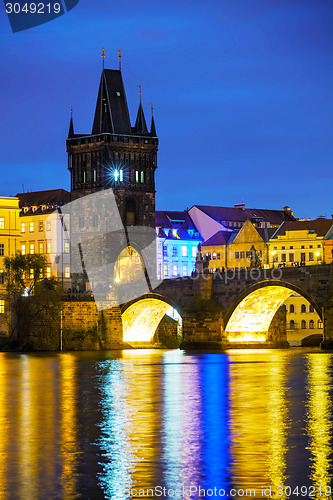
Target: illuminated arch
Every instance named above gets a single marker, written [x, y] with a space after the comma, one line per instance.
[141, 317]
[249, 317]
[129, 266]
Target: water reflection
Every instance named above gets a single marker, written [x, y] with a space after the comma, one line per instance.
[91, 425]
[320, 423]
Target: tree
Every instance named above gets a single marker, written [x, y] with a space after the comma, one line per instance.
[34, 302]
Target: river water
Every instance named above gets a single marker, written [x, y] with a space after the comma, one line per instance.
[113, 425]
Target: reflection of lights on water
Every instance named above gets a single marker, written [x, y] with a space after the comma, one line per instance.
[319, 423]
[115, 444]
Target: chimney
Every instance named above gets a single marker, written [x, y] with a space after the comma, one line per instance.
[288, 210]
[240, 205]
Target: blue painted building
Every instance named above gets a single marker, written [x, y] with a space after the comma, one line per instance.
[177, 244]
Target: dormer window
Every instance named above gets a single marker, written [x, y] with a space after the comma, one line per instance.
[174, 232]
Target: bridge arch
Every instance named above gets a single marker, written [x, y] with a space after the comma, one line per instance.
[250, 315]
[141, 316]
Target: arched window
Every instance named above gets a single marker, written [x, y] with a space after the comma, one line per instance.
[303, 308]
[311, 309]
[303, 324]
[311, 324]
[292, 325]
[291, 308]
[130, 212]
[320, 324]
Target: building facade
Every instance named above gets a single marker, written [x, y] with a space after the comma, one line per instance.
[9, 245]
[177, 244]
[44, 231]
[301, 243]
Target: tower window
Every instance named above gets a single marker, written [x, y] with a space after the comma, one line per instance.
[142, 177]
[95, 175]
[136, 176]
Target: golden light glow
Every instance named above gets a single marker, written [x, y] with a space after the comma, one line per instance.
[141, 319]
[319, 422]
[251, 319]
[129, 266]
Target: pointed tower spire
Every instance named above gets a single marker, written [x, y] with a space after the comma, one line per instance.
[119, 59]
[152, 127]
[71, 126]
[103, 55]
[140, 123]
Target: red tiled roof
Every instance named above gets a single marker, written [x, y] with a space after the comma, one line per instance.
[49, 197]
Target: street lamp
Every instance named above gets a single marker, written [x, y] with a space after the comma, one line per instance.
[318, 255]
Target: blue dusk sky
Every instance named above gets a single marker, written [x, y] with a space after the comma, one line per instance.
[242, 93]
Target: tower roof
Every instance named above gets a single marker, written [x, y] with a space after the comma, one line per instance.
[152, 127]
[111, 97]
[71, 129]
[140, 124]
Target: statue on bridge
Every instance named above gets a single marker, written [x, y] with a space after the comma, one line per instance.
[255, 261]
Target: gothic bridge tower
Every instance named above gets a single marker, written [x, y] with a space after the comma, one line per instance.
[116, 155]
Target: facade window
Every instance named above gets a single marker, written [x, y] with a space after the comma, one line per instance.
[291, 257]
[23, 248]
[303, 257]
[142, 177]
[248, 254]
[310, 246]
[311, 324]
[303, 324]
[302, 247]
[311, 256]
[194, 251]
[48, 272]
[174, 270]
[2, 223]
[48, 225]
[165, 270]
[159, 247]
[320, 324]
[2, 278]
[94, 175]
[31, 274]
[218, 256]
[136, 176]
[236, 255]
[2, 249]
[22, 227]
[283, 257]
[48, 247]
[311, 308]
[214, 256]
[292, 325]
[275, 258]
[67, 247]
[31, 227]
[283, 248]
[291, 308]
[165, 251]
[303, 308]
[2, 306]
[67, 272]
[40, 247]
[32, 248]
[184, 251]
[174, 252]
[242, 255]
[184, 269]
[40, 226]
[291, 248]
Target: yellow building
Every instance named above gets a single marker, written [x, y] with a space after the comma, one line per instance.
[303, 322]
[328, 250]
[9, 235]
[301, 242]
[235, 249]
[43, 231]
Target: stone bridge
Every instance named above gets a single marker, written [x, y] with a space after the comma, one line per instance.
[241, 308]
[235, 308]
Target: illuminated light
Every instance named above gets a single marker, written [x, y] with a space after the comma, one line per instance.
[117, 280]
[116, 175]
[251, 319]
[121, 177]
[319, 421]
[247, 337]
[141, 319]
[129, 266]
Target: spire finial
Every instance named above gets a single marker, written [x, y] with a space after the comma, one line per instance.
[152, 109]
[71, 111]
[103, 55]
[119, 59]
[140, 93]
